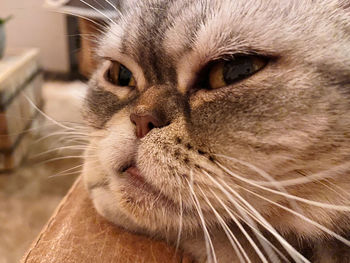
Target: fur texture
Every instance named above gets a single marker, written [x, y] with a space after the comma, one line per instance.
[262, 164]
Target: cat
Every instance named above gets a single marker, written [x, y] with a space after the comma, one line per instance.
[223, 127]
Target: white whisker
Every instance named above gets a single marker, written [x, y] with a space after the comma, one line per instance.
[235, 203]
[339, 169]
[233, 240]
[81, 135]
[323, 228]
[72, 147]
[268, 177]
[67, 157]
[115, 8]
[208, 242]
[99, 11]
[180, 224]
[291, 250]
[45, 115]
[303, 200]
[67, 170]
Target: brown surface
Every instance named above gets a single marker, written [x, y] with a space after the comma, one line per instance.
[76, 233]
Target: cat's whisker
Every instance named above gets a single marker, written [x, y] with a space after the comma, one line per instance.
[233, 240]
[92, 38]
[211, 256]
[308, 220]
[332, 172]
[45, 115]
[71, 147]
[33, 129]
[338, 169]
[101, 7]
[82, 35]
[66, 12]
[61, 133]
[99, 11]
[293, 197]
[180, 224]
[240, 209]
[67, 133]
[326, 230]
[120, 14]
[70, 133]
[68, 173]
[342, 192]
[261, 220]
[67, 157]
[68, 141]
[67, 170]
[268, 177]
[255, 229]
[180, 227]
[113, 6]
[73, 138]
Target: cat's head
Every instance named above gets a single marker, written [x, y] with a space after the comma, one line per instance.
[221, 105]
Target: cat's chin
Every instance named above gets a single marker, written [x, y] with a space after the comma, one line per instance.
[132, 186]
[129, 201]
[113, 213]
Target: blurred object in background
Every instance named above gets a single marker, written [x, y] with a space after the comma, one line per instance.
[58, 29]
[30, 193]
[92, 9]
[90, 18]
[58, 45]
[3, 21]
[20, 86]
[32, 26]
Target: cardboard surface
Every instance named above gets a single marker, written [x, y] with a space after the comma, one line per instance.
[76, 233]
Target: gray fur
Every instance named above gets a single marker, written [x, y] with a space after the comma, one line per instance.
[291, 119]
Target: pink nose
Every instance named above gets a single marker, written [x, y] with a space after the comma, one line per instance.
[144, 124]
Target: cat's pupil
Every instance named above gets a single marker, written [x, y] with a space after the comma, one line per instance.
[237, 69]
[124, 76]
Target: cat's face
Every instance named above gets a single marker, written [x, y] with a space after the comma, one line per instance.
[219, 102]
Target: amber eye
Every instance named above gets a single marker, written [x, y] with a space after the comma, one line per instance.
[226, 72]
[119, 75]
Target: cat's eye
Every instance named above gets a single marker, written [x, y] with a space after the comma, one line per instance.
[117, 74]
[226, 72]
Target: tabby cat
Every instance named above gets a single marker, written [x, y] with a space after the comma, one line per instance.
[223, 127]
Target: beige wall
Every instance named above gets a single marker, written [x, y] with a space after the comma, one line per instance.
[35, 26]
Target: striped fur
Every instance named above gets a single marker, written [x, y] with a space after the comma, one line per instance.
[280, 140]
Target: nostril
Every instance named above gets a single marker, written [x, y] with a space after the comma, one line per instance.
[150, 126]
[133, 118]
[144, 124]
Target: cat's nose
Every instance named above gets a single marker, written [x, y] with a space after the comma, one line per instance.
[144, 124]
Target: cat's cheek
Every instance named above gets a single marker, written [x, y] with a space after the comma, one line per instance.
[118, 148]
[106, 203]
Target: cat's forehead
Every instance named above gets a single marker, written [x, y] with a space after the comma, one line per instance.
[165, 37]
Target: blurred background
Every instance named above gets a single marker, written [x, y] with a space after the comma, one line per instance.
[46, 57]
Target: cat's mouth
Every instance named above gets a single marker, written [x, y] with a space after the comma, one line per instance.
[137, 182]
[135, 175]
[136, 185]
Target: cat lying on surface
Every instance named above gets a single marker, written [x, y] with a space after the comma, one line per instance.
[223, 127]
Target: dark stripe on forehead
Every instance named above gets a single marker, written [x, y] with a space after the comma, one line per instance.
[146, 45]
[194, 20]
[193, 25]
[151, 55]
